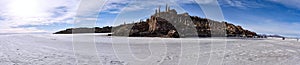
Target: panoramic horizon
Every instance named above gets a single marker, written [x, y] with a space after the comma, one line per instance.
[149, 32]
[275, 17]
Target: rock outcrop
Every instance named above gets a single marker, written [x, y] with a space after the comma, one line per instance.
[171, 24]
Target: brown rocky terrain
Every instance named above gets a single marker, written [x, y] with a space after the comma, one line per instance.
[171, 24]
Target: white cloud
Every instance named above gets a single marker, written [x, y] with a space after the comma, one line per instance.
[235, 3]
[15, 13]
[243, 4]
[89, 8]
[205, 1]
[288, 3]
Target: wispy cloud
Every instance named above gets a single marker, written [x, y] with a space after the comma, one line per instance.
[235, 3]
[241, 3]
[15, 13]
[114, 6]
[288, 3]
[278, 27]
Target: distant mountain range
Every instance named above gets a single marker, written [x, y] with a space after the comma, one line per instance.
[170, 24]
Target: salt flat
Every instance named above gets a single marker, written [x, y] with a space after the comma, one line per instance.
[49, 49]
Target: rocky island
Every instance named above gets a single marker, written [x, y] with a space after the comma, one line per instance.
[170, 24]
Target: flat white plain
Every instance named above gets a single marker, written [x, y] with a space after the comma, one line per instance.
[49, 49]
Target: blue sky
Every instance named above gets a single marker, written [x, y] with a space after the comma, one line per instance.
[262, 16]
[266, 16]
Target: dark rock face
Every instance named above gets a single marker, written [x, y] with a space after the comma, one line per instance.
[163, 27]
[106, 29]
[238, 31]
[171, 24]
